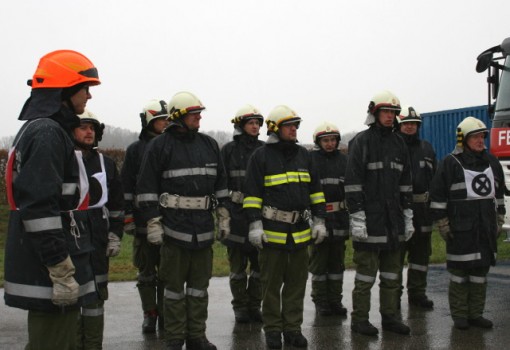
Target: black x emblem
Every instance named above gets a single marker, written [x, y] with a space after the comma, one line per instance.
[481, 185]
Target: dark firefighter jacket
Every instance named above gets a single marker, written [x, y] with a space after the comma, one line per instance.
[103, 217]
[282, 176]
[235, 155]
[45, 196]
[331, 166]
[378, 181]
[473, 221]
[185, 164]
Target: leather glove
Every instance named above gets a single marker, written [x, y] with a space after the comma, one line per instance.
[443, 225]
[223, 220]
[65, 288]
[129, 224]
[113, 247]
[155, 231]
[501, 221]
[358, 221]
[256, 234]
[319, 232]
[408, 221]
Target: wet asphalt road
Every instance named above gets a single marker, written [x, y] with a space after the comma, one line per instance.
[429, 329]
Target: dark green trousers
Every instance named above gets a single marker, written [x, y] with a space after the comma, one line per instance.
[50, 331]
[417, 250]
[367, 265]
[467, 292]
[283, 275]
[186, 274]
[91, 324]
[246, 289]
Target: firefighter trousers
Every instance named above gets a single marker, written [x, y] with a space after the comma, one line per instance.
[246, 290]
[417, 250]
[467, 291]
[50, 331]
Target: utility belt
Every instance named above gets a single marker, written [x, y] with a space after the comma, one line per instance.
[175, 201]
[289, 217]
[421, 197]
[335, 206]
[237, 197]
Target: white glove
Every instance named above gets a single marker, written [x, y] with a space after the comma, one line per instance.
[223, 219]
[319, 232]
[358, 221]
[129, 224]
[113, 247]
[155, 231]
[65, 288]
[256, 234]
[408, 221]
[501, 221]
[443, 225]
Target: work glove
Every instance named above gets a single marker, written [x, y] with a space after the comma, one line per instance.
[501, 221]
[256, 234]
[155, 231]
[443, 225]
[408, 222]
[319, 232]
[113, 247]
[65, 288]
[358, 221]
[129, 224]
[223, 220]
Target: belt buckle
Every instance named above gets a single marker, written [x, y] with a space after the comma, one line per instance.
[163, 199]
[295, 216]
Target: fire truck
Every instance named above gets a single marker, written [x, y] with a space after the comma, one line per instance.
[496, 61]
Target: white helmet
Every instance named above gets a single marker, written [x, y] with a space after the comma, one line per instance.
[469, 126]
[153, 109]
[89, 117]
[183, 103]
[326, 129]
[246, 113]
[408, 114]
[279, 116]
[382, 100]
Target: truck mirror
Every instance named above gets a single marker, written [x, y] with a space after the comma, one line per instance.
[484, 61]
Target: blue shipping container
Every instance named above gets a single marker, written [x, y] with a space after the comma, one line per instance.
[440, 128]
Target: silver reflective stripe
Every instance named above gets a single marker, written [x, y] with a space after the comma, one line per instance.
[389, 275]
[28, 291]
[353, 188]
[406, 188]
[500, 201]
[222, 193]
[69, 188]
[397, 166]
[89, 287]
[330, 181]
[477, 279]
[371, 239]
[189, 172]
[340, 233]
[458, 279]
[101, 278]
[438, 205]
[237, 173]
[201, 237]
[374, 166]
[173, 295]
[128, 196]
[116, 214]
[464, 257]
[319, 278]
[426, 229]
[196, 292]
[335, 276]
[422, 164]
[92, 312]
[236, 238]
[422, 268]
[255, 274]
[177, 235]
[365, 278]
[43, 224]
[147, 197]
[458, 186]
[238, 276]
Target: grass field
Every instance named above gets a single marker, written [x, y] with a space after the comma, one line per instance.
[121, 267]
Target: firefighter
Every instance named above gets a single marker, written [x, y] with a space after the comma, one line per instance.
[246, 292]
[467, 205]
[327, 259]
[181, 181]
[47, 252]
[106, 218]
[281, 186]
[419, 248]
[378, 192]
[145, 256]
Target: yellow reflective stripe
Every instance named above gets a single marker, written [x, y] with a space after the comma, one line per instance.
[303, 236]
[252, 202]
[291, 176]
[317, 197]
[281, 238]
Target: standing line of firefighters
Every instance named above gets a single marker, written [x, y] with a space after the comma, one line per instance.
[283, 212]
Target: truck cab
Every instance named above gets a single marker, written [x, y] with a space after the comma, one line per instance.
[496, 61]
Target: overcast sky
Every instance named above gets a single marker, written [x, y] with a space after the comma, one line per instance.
[324, 59]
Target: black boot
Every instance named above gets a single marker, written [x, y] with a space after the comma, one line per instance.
[201, 343]
[174, 344]
[274, 340]
[242, 316]
[421, 301]
[461, 323]
[480, 322]
[338, 309]
[390, 323]
[323, 309]
[150, 319]
[295, 338]
[364, 327]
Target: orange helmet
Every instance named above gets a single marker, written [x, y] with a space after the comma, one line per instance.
[63, 69]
